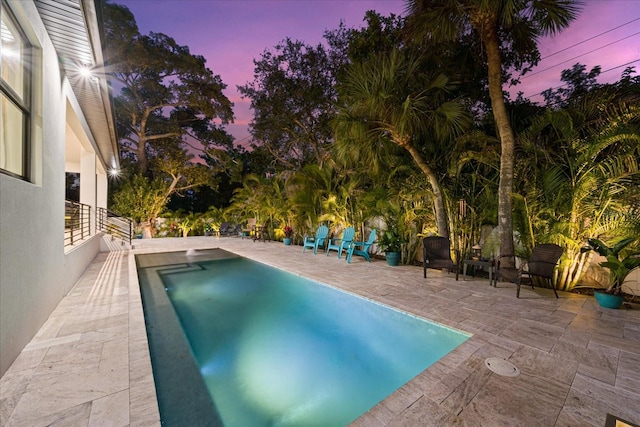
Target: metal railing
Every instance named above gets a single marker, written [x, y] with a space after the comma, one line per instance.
[114, 224]
[77, 222]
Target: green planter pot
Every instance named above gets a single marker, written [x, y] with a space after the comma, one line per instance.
[286, 241]
[393, 258]
[608, 300]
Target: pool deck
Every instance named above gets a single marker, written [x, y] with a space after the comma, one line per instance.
[89, 364]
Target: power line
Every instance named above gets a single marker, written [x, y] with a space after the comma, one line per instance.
[605, 71]
[576, 57]
[590, 38]
[618, 66]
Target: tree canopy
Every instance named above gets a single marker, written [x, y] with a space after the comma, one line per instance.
[292, 96]
[167, 95]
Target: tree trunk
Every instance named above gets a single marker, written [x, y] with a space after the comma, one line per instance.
[147, 230]
[438, 198]
[143, 163]
[491, 43]
[141, 133]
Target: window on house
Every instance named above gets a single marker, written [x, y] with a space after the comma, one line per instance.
[14, 96]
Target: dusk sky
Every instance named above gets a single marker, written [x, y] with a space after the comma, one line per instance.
[231, 33]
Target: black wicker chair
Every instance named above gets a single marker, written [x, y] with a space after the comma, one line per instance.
[436, 253]
[542, 264]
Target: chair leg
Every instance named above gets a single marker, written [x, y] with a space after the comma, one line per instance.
[554, 289]
[518, 290]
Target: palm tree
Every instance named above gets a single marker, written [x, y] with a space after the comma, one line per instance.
[390, 97]
[306, 190]
[500, 25]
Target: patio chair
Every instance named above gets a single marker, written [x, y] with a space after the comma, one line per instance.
[361, 248]
[261, 232]
[250, 229]
[342, 243]
[542, 264]
[436, 253]
[224, 229]
[316, 241]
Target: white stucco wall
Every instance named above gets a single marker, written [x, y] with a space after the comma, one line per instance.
[35, 273]
[632, 284]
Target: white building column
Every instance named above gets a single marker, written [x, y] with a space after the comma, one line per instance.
[102, 188]
[88, 184]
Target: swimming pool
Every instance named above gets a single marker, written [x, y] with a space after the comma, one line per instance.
[273, 348]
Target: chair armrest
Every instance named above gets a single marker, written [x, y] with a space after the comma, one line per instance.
[500, 257]
[519, 269]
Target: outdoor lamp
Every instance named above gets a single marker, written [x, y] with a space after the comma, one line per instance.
[477, 252]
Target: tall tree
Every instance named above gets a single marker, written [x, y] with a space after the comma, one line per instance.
[167, 93]
[506, 28]
[292, 96]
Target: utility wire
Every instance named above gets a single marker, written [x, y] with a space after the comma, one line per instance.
[605, 71]
[590, 38]
[576, 57]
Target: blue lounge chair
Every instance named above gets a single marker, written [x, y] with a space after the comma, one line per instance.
[315, 241]
[361, 248]
[343, 243]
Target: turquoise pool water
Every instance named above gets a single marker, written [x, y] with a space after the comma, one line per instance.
[276, 349]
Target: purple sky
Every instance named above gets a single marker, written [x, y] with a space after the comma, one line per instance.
[231, 33]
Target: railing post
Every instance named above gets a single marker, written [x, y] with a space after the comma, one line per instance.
[72, 221]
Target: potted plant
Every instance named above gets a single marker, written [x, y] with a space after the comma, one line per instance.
[288, 232]
[391, 244]
[612, 296]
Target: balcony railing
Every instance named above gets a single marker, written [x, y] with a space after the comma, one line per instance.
[114, 224]
[77, 222]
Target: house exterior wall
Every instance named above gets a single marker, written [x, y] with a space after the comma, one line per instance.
[35, 270]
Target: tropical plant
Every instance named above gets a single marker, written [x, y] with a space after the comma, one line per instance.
[143, 200]
[208, 228]
[392, 98]
[391, 241]
[188, 222]
[584, 178]
[619, 269]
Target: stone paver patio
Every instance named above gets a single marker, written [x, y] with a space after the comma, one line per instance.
[89, 364]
